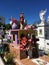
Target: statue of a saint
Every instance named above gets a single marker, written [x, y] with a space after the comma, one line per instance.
[41, 14]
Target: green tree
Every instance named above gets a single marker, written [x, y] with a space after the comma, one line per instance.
[7, 26]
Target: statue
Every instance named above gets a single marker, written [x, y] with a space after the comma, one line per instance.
[13, 23]
[14, 26]
[48, 19]
[41, 14]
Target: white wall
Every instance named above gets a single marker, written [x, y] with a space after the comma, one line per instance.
[41, 43]
[41, 36]
[41, 27]
[43, 40]
[47, 44]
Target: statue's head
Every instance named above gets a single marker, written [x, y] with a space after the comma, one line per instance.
[42, 14]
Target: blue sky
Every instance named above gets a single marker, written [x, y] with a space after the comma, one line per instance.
[31, 9]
